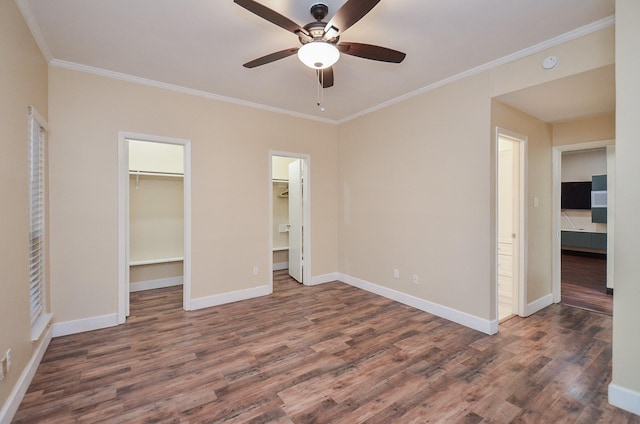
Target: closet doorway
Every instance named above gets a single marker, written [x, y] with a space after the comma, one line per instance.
[289, 229]
[154, 193]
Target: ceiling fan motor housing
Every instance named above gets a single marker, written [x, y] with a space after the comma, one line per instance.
[319, 11]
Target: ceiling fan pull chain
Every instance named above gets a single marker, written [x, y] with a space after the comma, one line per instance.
[320, 74]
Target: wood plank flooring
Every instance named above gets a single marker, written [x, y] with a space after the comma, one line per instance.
[324, 354]
[584, 283]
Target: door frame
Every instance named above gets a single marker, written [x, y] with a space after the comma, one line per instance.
[123, 217]
[306, 212]
[556, 160]
[520, 244]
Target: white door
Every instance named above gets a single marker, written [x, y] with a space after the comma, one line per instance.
[295, 220]
[509, 226]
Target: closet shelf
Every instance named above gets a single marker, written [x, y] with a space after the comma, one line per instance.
[156, 261]
[156, 174]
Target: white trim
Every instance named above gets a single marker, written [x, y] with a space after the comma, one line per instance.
[155, 284]
[123, 217]
[86, 324]
[235, 296]
[325, 278]
[40, 325]
[556, 164]
[179, 89]
[32, 23]
[12, 403]
[563, 38]
[462, 318]
[538, 305]
[624, 398]
[280, 266]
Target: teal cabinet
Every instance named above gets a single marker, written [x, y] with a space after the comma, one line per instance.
[599, 212]
[580, 240]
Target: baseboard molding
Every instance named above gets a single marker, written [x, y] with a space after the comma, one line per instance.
[10, 407]
[156, 284]
[538, 305]
[279, 266]
[221, 299]
[86, 324]
[325, 278]
[459, 317]
[624, 398]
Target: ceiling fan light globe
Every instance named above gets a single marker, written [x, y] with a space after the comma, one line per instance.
[318, 54]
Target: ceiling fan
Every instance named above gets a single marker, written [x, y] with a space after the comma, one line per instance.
[320, 41]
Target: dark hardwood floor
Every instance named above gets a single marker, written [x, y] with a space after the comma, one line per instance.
[584, 283]
[325, 354]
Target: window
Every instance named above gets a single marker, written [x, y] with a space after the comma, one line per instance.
[37, 231]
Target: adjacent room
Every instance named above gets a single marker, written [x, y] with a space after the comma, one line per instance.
[433, 217]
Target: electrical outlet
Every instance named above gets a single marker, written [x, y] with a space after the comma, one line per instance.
[415, 279]
[3, 368]
[255, 270]
[8, 359]
[396, 273]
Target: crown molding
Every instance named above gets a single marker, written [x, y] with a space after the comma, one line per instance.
[561, 39]
[31, 22]
[553, 42]
[179, 89]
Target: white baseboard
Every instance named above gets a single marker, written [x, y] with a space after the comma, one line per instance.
[462, 318]
[85, 324]
[10, 407]
[221, 299]
[624, 398]
[325, 278]
[538, 305]
[279, 266]
[156, 284]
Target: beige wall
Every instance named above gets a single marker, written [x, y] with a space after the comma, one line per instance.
[280, 167]
[584, 130]
[409, 175]
[156, 157]
[429, 160]
[148, 272]
[156, 217]
[230, 198]
[23, 82]
[626, 315]
[582, 165]
[538, 181]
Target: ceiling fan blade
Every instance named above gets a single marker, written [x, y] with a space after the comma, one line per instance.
[325, 77]
[350, 13]
[270, 15]
[368, 51]
[271, 57]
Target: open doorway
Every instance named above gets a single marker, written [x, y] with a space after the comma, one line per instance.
[289, 212]
[154, 217]
[584, 181]
[511, 234]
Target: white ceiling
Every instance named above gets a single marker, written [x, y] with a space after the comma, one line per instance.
[202, 44]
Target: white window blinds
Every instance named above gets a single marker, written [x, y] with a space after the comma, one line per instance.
[37, 208]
